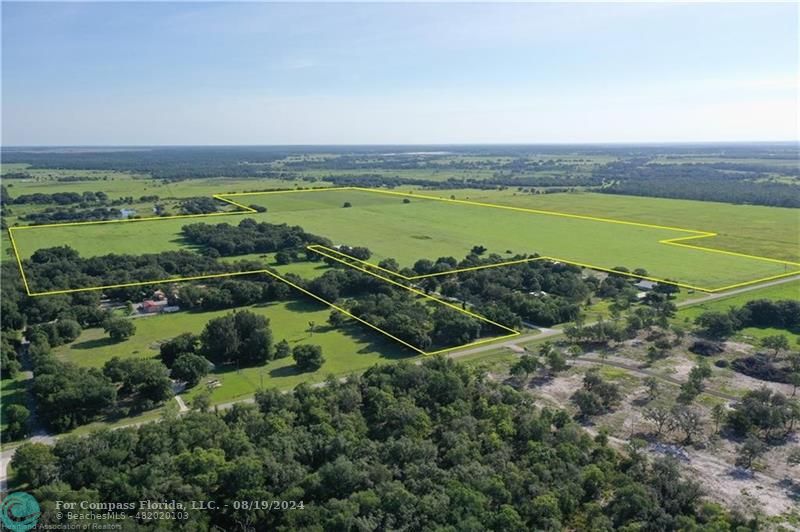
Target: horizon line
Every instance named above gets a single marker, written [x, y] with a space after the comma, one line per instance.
[437, 144]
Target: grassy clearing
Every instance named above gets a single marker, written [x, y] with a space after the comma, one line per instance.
[782, 291]
[305, 269]
[346, 350]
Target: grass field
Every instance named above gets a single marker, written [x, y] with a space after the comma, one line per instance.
[753, 229]
[789, 290]
[426, 228]
[121, 184]
[305, 269]
[350, 349]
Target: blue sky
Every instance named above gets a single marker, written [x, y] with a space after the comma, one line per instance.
[257, 73]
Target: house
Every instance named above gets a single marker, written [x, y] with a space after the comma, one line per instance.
[127, 213]
[152, 307]
[645, 285]
[158, 295]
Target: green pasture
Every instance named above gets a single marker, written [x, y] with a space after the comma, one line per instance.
[121, 184]
[428, 229]
[425, 228]
[752, 229]
[346, 350]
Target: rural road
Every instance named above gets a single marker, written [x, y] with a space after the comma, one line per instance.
[722, 295]
[546, 333]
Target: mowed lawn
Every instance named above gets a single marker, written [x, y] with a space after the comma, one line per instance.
[425, 228]
[346, 350]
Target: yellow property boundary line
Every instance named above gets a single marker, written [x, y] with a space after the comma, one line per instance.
[243, 209]
[432, 298]
[349, 261]
[511, 332]
[679, 241]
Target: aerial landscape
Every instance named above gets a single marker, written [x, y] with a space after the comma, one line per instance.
[259, 314]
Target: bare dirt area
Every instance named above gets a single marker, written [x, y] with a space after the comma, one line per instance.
[557, 390]
[771, 490]
[751, 493]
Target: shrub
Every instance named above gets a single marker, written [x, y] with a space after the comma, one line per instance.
[706, 348]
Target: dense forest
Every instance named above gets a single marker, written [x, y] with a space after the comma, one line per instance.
[403, 447]
[730, 183]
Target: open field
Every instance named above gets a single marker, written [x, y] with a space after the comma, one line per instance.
[119, 184]
[753, 229]
[410, 227]
[346, 350]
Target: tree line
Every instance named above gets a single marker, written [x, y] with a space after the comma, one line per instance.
[725, 183]
[62, 267]
[58, 198]
[248, 236]
[780, 314]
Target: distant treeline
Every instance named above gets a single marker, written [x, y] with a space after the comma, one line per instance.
[743, 192]
[633, 173]
[162, 163]
[59, 198]
[52, 214]
[704, 182]
[377, 180]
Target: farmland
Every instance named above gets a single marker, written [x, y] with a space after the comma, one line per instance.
[409, 227]
[769, 231]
